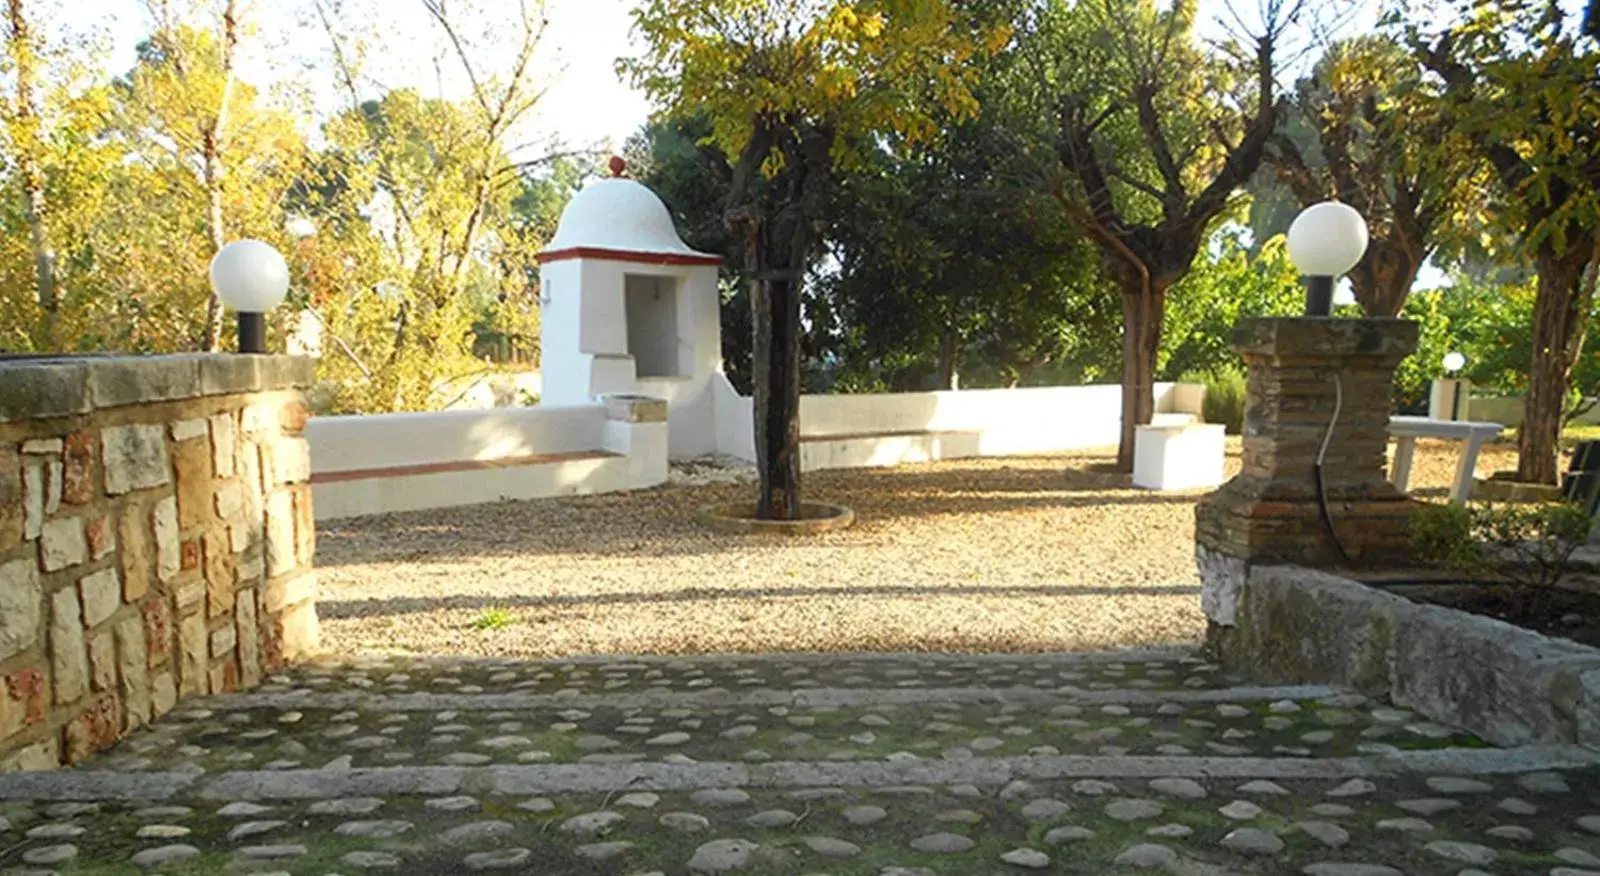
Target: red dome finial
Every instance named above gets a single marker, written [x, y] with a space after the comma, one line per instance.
[618, 167]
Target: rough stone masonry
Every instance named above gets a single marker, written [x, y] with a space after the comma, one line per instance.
[1304, 371]
[156, 540]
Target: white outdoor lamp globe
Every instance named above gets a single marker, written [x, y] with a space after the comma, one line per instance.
[1454, 361]
[1325, 241]
[251, 278]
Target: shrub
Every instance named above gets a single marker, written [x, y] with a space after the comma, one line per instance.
[1225, 396]
[1528, 544]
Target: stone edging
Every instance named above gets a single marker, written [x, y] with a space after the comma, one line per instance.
[66, 386]
[521, 780]
[753, 698]
[1506, 684]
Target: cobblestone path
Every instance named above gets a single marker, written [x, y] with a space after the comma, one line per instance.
[1133, 762]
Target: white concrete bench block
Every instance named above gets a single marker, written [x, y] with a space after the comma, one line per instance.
[1179, 457]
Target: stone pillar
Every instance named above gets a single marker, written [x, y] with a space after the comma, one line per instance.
[1301, 370]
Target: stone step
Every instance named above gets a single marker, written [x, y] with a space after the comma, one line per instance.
[867, 765]
[1153, 669]
[291, 731]
[1178, 819]
[512, 780]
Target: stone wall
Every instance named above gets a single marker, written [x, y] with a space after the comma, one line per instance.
[1508, 685]
[156, 540]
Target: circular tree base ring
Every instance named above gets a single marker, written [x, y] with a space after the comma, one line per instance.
[740, 517]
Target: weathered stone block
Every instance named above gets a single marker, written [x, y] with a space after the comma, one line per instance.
[38, 757]
[189, 594]
[293, 416]
[289, 461]
[249, 635]
[224, 444]
[193, 641]
[1500, 681]
[54, 473]
[69, 661]
[102, 538]
[163, 694]
[192, 460]
[135, 458]
[35, 390]
[284, 592]
[305, 526]
[134, 558]
[189, 555]
[297, 632]
[42, 446]
[220, 574]
[33, 490]
[164, 519]
[22, 701]
[629, 408]
[133, 679]
[62, 543]
[20, 601]
[224, 641]
[157, 619]
[188, 430]
[12, 502]
[229, 501]
[78, 483]
[133, 380]
[91, 731]
[102, 661]
[280, 543]
[102, 596]
[224, 678]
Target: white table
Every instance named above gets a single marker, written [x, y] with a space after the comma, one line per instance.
[1406, 431]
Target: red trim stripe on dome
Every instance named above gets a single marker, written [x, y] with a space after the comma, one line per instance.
[619, 255]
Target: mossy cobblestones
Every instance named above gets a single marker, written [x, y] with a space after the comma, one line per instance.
[1311, 810]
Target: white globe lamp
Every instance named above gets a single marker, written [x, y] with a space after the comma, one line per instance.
[251, 278]
[1454, 361]
[1325, 241]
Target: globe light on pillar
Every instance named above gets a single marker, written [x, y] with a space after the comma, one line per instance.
[251, 278]
[1325, 241]
[1454, 361]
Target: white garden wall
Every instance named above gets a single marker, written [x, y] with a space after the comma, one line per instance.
[852, 431]
[404, 462]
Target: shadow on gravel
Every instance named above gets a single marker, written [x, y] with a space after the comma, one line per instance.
[660, 522]
[330, 609]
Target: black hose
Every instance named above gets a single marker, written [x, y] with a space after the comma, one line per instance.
[1319, 483]
[1327, 517]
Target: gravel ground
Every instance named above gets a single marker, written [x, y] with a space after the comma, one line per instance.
[1023, 554]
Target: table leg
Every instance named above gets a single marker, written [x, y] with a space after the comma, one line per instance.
[1465, 468]
[1400, 475]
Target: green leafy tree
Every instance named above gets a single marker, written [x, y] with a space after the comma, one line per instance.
[1225, 285]
[1149, 138]
[791, 88]
[1381, 144]
[1520, 86]
[948, 263]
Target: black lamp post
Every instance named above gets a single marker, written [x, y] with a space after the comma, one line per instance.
[1325, 241]
[251, 278]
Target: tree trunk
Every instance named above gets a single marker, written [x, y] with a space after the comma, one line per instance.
[25, 136]
[948, 349]
[1141, 337]
[1384, 277]
[1560, 319]
[214, 168]
[775, 303]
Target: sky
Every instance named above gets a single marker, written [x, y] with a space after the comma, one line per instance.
[587, 104]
